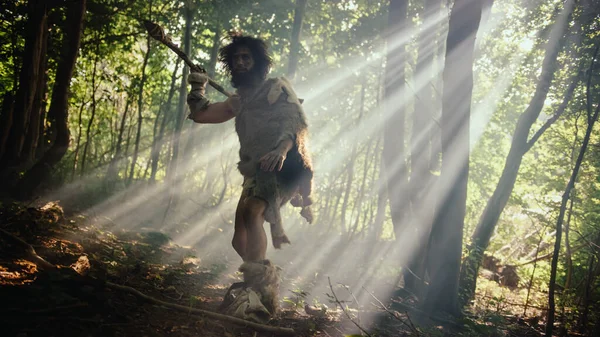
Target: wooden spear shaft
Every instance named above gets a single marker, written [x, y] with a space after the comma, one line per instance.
[157, 33]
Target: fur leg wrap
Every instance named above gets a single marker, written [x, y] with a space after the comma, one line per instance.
[258, 299]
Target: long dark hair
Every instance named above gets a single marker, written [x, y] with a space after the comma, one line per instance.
[258, 48]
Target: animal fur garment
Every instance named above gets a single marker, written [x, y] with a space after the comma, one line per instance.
[269, 116]
[258, 297]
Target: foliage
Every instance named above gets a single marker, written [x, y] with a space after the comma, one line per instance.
[342, 55]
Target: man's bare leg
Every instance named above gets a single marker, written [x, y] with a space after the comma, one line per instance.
[253, 218]
[240, 235]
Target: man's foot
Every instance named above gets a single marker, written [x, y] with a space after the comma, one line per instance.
[258, 297]
[230, 295]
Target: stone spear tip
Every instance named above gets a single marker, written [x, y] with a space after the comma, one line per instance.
[155, 31]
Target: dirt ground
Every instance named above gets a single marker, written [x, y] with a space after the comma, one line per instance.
[76, 301]
[38, 303]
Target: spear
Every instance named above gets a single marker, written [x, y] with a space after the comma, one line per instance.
[158, 33]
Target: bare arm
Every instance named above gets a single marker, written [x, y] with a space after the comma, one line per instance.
[215, 113]
[201, 111]
[285, 145]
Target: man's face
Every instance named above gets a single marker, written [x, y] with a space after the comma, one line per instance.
[242, 60]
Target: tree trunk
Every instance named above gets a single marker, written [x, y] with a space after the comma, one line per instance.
[59, 104]
[422, 198]
[112, 172]
[211, 170]
[348, 188]
[350, 168]
[140, 107]
[88, 131]
[333, 214]
[592, 117]
[78, 141]
[445, 245]
[6, 119]
[437, 86]
[160, 115]
[28, 82]
[157, 146]
[587, 293]
[360, 193]
[375, 185]
[395, 115]
[37, 107]
[126, 150]
[381, 203]
[568, 250]
[41, 145]
[295, 42]
[495, 205]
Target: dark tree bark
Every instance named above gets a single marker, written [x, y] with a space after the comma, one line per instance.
[592, 117]
[37, 108]
[28, 83]
[6, 119]
[445, 245]
[41, 145]
[59, 104]
[520, 145]
[395, 119]
[587, 292]
[295, 41]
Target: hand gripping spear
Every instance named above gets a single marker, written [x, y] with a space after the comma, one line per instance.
[157, 33]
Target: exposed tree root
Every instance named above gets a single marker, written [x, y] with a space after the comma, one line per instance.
[30, 254]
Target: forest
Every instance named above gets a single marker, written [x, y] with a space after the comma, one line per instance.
[456, 164]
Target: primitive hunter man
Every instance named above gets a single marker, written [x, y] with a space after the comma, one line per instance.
[274, 161]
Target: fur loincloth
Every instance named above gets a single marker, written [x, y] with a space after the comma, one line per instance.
[271, 115]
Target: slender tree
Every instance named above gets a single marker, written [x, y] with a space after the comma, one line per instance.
[29, 76]
[519, 146]
[158, 144]
[295, 41]
[395, 123]
[88, 130]
[422, 198]
[140, 108]
[59, 104]
[445, 247]
[592, 117]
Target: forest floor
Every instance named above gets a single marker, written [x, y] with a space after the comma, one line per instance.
[38, 302]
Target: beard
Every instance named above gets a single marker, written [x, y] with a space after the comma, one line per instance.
[245, 79]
